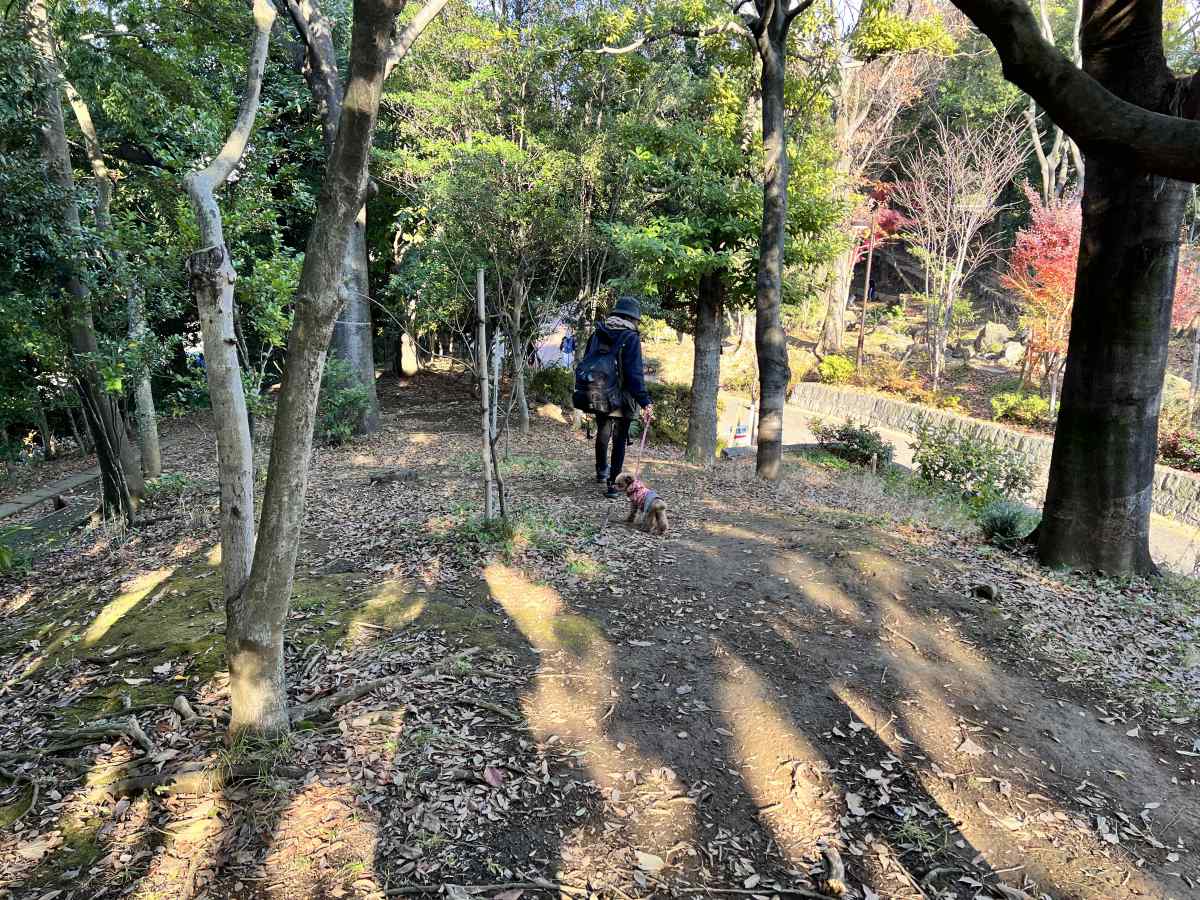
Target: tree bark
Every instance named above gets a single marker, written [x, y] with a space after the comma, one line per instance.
[120, 469]
[706, 370]
[1098, 501]
[353, 339]
[255, 637]
[770, 339]
[487, 459]
[145, 415]
[211, 276]
[837, 295]
[516, 341]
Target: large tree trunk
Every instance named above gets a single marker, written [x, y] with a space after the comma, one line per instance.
[255, 636]
[706, 370]
[211, 275]
[120, 468]
[1097, 511]
[1098, 501]
[353, 339]
[770, 339]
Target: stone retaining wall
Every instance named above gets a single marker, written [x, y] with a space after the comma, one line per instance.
[1176, 494]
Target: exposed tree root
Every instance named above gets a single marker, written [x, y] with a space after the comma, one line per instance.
[833, 882]
[499, 710]
[129, 729]
[193, 778]
[325, 705]
[15, 778]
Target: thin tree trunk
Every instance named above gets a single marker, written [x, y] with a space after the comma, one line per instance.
[706, 370]
[120, 469]
[147, 421]
[255, 637]
[83, 446]
[211, 276]
[518, 345]
[1195, 372]
[43, 425]
[485, 397]
[770, 339]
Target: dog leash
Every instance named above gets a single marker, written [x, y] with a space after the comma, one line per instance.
[641, 449]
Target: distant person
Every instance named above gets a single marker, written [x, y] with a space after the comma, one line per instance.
[611, 383]
[872, 294]
[567, 348]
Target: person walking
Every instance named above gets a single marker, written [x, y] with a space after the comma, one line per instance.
[567, 348]
[616, 340]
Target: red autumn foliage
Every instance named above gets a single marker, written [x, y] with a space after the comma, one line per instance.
[1042, 273]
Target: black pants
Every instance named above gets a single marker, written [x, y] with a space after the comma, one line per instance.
[616, 429]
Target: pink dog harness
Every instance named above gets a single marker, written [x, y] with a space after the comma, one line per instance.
[640, 495]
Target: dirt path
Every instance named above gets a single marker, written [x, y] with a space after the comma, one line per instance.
[794, 667]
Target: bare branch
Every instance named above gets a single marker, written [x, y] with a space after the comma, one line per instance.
[724, 27]
[409, 34]
[1101, 123]
[217, 171]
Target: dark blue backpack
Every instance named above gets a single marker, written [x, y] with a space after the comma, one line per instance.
[598, 377]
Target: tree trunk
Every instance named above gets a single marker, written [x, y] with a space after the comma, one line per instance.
[706, 370]
[518, 357]
[837, 294]
[1097, 511]
[143, 397]
[211, 277]
[147, 421]
[255, 636]
[1098, 501]
[352, 334]
[770, 339]
[1191, 409]
[487, 458]
[43, 425]
[120, 469]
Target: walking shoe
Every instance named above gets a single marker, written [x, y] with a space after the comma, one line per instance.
[612, 493]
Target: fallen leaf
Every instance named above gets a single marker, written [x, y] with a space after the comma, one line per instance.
[493, 776]
[648, 862]
[970, 748]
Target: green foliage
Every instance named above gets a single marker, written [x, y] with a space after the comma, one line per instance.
[856, 442]
[343, 402]
[982, 471]
[173, 484]
[1180, 450]
[881, 30]
[555, 383]
[1028, 409]
[835, 369]
[1006, 523]
[672, 412]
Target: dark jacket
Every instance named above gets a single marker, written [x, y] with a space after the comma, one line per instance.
[627, 344]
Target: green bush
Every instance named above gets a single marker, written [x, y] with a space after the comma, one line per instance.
[1018, 406]
[343, 402]
[951, 402]
[672, 412]
[1006, 523]
[982, 471]
[852, 441]
[555, 384]
[1180, 450]
[835, 369]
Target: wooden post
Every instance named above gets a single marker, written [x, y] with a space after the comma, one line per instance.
[862, 323]
[485, 397]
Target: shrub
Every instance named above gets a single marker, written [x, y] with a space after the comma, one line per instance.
[951, 402]
[1006, 523]
[555, 384]
[835, 369]
[1180, 450]
[852, 441]
[739, 373]
[343, 402]
[982, 471]
[1028, 409]
[672, 412]
[654, 330]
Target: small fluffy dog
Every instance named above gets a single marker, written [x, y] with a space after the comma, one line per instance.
[645, 501]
